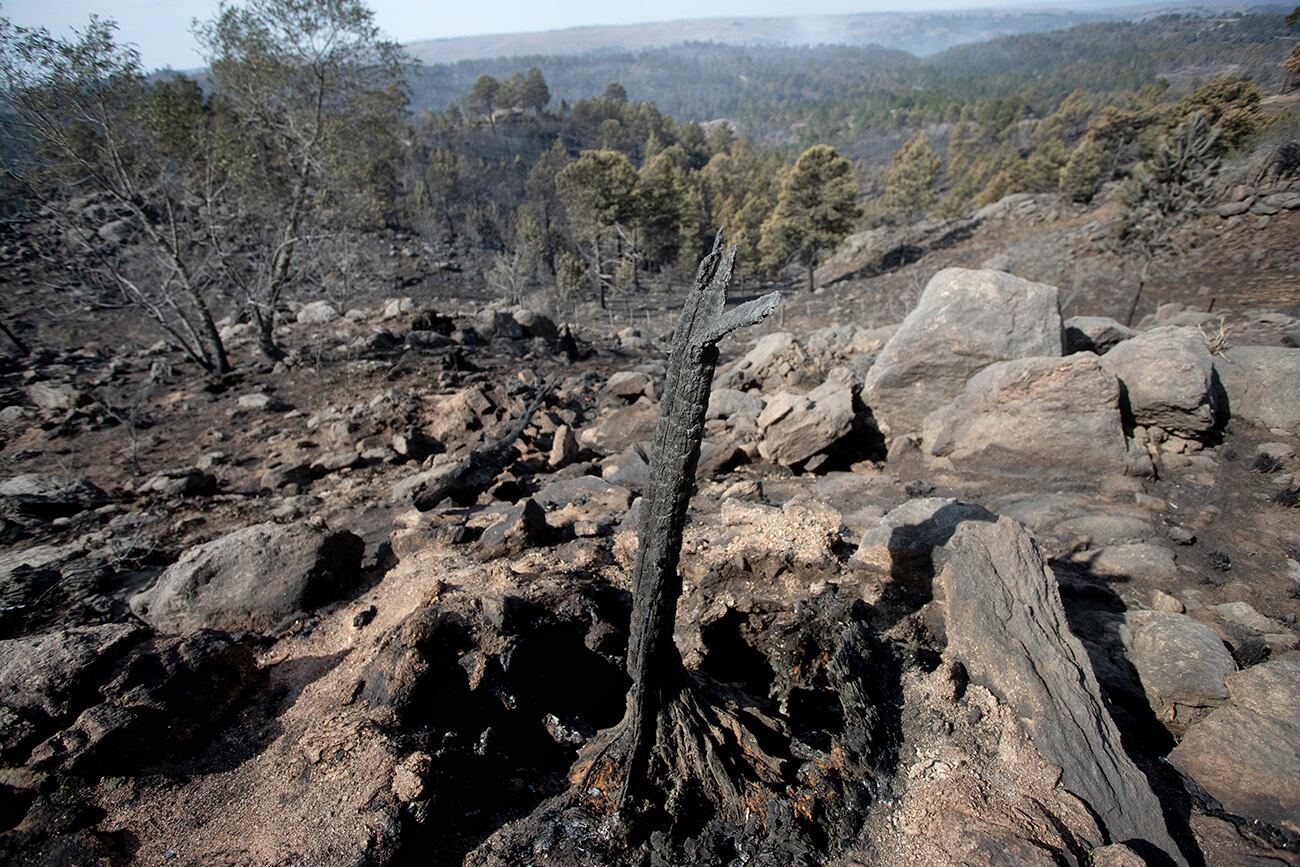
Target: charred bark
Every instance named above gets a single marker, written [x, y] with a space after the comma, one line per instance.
[680, 731]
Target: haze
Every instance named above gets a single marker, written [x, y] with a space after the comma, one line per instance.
[161, 31]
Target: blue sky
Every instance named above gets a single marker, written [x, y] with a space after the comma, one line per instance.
[160, 28]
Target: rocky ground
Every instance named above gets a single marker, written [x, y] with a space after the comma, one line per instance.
[1021, 588]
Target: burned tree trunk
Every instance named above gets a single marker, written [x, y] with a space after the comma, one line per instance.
[678, 731]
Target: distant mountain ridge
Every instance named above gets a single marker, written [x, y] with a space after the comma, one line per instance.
[918, 33]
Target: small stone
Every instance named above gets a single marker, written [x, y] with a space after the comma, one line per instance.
[1181, 535]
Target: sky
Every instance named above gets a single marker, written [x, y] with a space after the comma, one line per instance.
[160, 29]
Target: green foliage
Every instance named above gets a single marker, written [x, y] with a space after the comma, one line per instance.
[815, 210]
[1230, 105]
[910, 181]
[1175, 184]
[1081, 175]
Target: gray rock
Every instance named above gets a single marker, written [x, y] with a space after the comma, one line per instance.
[727, 402]
[252, 579]
[587, 505]
[55, 397]
[1135, 560]
[261, 402]
[621, 428]
[629, 468]
[1053, 416]
[1104, 529]
[1263, 385]
[179, 482]
[521, 526]
[1182, 664]
[44, 678]
[317, 313]
[630, 385]
[1006, 624]
[797, 426]
[44, 496]
[906, 542]
[534, 324]
[1099, 334]
[777, 360]
[1168, 376]
[166, 695]
[964, 321]
[1244, 752]
[564, 447]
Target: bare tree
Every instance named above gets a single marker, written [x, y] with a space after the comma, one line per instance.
[99, 140]
[313, 95]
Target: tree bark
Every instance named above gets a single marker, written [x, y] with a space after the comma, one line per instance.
[660, 700]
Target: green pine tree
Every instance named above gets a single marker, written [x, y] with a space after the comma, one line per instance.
[815, 210]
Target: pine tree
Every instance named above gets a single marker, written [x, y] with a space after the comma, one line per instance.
[598, 192]
[1178, 182]
[534, 95]
[1082, 173]
[815, 210]
[909, 183]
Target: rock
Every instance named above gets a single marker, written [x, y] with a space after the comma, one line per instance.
[1054, 416]
[56, 397]
[905, 541]
[497, 323]
[630, 385]
[1005, 623]
[534, 324]
[1097, 531]
[179, 482]
[1168, 377]
[777, 360]
[717, 458]
[1099, 334]
[964, 321]
[162, 698]
[588, 505]
[1181, 663]
[727, 402]
[1244, 752]
[414, 445]
[395, 307]
[45, 678]
[521, 526]
[629, 468]
[333, 462]
[1115, 855]
[44, 497]
[622, 428]
[795, 427]
[428, 340]
[1263, 385]
[261, 402]
[317, 313]
[445, 471]
[564, 447]
[252, 579]
[1136, 560]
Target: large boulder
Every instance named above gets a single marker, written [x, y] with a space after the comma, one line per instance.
[622, 428]
[1263, 385]
[1181, 662]
[1099, 334]
[43, 496]
[797, 426]
[1168, 376]
[43, 677]
[1244, 753]
[1005, 623]
[252, 579]
[965, 321]
[777, 360]
[1054, 416]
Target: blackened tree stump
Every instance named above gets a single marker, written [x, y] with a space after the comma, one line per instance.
[683, 737]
